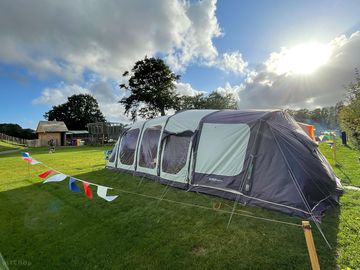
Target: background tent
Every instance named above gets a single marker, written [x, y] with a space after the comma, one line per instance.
[257, 157]
[308, 129]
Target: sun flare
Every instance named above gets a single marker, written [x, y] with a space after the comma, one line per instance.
[302, 59]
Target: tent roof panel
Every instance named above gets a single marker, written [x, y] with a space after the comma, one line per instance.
[156, 121]
[186, 120]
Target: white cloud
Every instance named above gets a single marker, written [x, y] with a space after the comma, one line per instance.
[59, 94]
[66, 38]
[266, 88]
[102, 90]
[301, 59]
[229, 89]
[185, 89]
[232, 62]
[196, 42]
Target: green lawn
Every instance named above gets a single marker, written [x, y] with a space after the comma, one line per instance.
[348, 162]
[46, 226]
[4, 146]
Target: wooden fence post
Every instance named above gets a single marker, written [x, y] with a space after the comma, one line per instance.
[334, 149]
[310, 245]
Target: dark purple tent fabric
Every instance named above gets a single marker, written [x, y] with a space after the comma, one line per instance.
[282, 168]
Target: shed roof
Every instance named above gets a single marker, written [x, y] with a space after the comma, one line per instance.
[77, 132]
[51, 126]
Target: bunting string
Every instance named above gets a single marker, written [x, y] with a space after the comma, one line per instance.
[52, 175]
[102, 190]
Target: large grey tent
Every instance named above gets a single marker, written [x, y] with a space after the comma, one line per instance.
[256, 157]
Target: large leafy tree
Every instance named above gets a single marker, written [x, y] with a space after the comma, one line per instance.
[77, 112]
[350, 113]
[152, 89]
[214, 100]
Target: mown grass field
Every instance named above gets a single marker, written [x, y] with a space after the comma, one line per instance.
[46, 226]
[347, 167]
[5, 146]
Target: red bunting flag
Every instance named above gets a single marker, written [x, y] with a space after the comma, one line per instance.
[87, 189]
[45, 174]
[27, 159]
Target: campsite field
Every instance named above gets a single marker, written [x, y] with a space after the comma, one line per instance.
[46, 226]
[347, 167]
[5, 146]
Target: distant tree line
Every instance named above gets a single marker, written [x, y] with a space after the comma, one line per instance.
[214, 100]
[17, 131]
[350, 112]
[344, 115]
[326, 116]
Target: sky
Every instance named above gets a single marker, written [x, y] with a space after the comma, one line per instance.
[269, 54]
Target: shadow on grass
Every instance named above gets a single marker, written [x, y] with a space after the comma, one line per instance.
[339, 166]
[59, 150]
[48, 226]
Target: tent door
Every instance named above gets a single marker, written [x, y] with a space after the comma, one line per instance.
[220, 153]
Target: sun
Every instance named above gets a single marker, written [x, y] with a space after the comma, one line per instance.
[302, 59]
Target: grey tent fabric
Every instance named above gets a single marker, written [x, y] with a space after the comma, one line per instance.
[149, 145]
[128, 146]
[175, 153]
[256, 157]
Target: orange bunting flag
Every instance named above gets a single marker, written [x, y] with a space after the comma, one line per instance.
[87, 190]
[45, 174]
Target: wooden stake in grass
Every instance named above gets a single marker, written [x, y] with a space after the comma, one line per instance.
[310, 245]
[334, 148]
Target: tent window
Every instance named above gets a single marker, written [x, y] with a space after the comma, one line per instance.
[149, 146]
[128, 146]
[222, 149]
[175, 153]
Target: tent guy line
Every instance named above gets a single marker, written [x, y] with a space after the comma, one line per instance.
[255, 157]
[258, 157]
[161, 198]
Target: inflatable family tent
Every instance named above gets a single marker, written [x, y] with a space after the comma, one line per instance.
[256, 157]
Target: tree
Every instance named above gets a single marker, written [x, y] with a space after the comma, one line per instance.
[217, 101]
[350, 113]
[17, 131]
[213, 101]
[77, 112]
[152, 89]
[192, 102]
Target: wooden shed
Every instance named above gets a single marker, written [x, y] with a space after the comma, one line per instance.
[48, 130]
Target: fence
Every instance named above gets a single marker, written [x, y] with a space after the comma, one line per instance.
[12, 139]
[31, 143]
[104, 132]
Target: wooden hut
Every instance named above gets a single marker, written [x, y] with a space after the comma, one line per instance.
[55, 130]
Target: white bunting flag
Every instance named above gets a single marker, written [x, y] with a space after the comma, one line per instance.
[34, 162]
[101, 192]
[56, 178]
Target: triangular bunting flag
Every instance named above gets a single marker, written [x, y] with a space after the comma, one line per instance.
[87, 190]
[27, 159]
[25, 154]
[73, 186]
[34, 162]
[45, 174]
[55, 178]
[101, 192]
